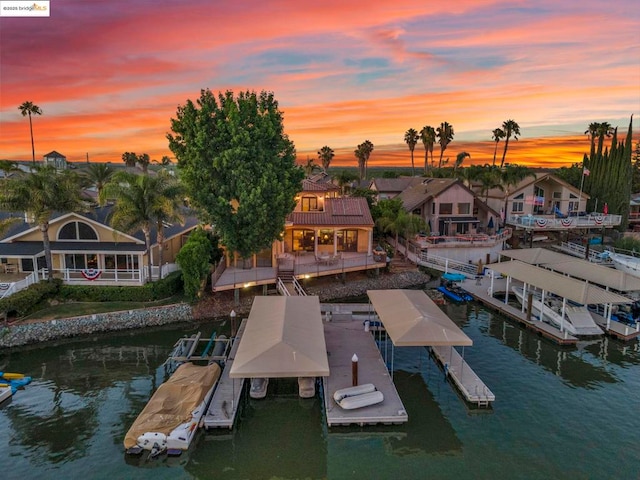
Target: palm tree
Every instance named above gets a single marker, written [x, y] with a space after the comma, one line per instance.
[165, 161]
[29, 108]
[363, 152]
[394, 219]
[143, 160]
[309, 167]
[592, 132]
[411, 138]
[428, 137]
[138, 199]
[445, 136]
[98, 175]
[489, 178]
[459, 159]
[129, 159]
[40, 194]
[344, 179]
[167, 210]
[325, 155]
[497, 135]
[510, 128]
[604, 130]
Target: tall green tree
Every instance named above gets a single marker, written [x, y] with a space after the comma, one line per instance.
[344, 179]
[28, 109]
[428, 138]
[238, 166]
[611, 173]
[511, 129]
[309, 167]
[635, 167]
[445, 135]
[194, 259]
[325, 155]
[411, 138]
[592, 133]
[137, 201]
[40, 194]
[497, 135]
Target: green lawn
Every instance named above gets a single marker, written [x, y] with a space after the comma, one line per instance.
[77, 309]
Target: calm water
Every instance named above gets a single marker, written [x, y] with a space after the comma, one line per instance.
[560, 413]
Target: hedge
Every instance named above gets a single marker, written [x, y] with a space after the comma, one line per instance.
[29, 300]
[165, 288]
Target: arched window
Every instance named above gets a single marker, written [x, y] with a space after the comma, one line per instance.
[77, 231]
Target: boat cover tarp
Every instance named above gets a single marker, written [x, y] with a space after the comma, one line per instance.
[172, 403]
[411, 318]
[284, 337]
[454, 277]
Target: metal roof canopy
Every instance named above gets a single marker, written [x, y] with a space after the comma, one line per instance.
[576, 267]
[572, 289]
[284, 337]
[411, 318]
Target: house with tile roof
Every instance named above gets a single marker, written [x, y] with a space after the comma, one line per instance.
[387, 188]
[325, 235]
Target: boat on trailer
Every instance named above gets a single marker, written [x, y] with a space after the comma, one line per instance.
[171, 418]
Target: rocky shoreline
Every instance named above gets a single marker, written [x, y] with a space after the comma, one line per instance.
[209, 308]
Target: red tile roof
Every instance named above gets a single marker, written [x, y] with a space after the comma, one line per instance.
[338, 212]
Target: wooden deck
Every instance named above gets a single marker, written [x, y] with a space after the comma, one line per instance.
[226, 398]
[472, 388]
[344, 338]
[480, 293]
[618, 330]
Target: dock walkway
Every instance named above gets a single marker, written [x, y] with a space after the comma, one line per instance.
[344, 339]
[226, 398]
[469, 384]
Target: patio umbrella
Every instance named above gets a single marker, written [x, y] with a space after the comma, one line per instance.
[490, 224]
[605, 209]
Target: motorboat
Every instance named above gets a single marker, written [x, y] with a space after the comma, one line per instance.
[626, 263]
[358, 396]
[577, 319]
[258, 387]
[455, 292]
[306, 387]
[172, 416]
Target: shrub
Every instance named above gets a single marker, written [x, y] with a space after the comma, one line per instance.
[165, 288]
[28, 300]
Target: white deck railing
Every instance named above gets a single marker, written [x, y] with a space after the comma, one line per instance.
[550, 222]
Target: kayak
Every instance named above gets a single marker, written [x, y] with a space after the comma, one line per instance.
[11, 376]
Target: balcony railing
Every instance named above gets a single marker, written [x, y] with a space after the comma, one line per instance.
[463, 239]
[550, 222]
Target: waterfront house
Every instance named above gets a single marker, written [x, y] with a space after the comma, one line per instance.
[86, 249]
[325, 235]
[387, 188]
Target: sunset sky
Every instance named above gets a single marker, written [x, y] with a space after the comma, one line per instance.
[109, 75]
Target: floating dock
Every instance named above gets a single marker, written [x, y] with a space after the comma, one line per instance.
[469, 384]
[344, 338]
[226, 398]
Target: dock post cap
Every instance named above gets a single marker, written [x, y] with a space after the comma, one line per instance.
[354, 358]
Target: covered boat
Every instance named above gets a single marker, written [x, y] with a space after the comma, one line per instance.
[172, 416]
[625, 263]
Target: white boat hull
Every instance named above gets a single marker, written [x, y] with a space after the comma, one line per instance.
[626, 263]
[5, 393]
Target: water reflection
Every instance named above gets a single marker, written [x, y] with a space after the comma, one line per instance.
[562, 361]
